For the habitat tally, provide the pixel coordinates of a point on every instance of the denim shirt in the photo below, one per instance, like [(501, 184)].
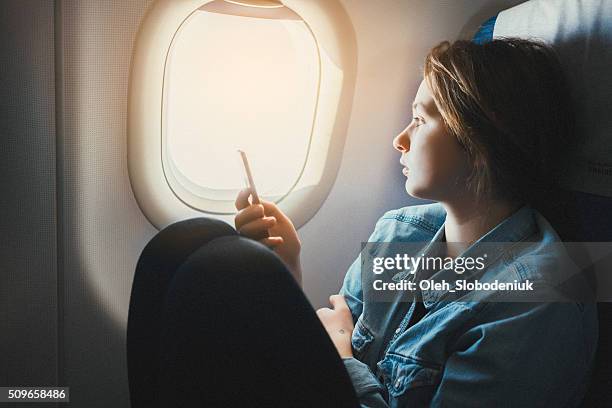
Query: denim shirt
[(471, 354)]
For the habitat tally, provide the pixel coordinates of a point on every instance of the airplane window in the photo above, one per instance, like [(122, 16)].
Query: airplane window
[(238, 82), (273, 78)]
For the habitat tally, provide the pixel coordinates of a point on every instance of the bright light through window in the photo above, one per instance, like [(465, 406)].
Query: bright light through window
[(234, 82)]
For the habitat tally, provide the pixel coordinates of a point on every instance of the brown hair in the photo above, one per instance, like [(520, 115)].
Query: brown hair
[(508, 104)]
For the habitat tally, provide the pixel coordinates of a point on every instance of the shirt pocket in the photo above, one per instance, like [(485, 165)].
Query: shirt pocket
[(362, 338), (404, 375)]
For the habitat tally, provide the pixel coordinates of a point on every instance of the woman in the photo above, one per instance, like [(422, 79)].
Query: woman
[(488, 129)]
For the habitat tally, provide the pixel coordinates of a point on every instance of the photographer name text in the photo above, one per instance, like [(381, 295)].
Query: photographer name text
[(456, 285)]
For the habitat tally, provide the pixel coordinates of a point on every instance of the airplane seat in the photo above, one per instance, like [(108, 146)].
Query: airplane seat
[(581, 34)]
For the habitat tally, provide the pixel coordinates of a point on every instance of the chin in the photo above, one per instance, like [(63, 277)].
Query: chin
[(410, 189), (416, 192)]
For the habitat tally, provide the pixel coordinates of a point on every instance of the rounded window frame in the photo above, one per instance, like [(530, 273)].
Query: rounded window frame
[(332, 31)]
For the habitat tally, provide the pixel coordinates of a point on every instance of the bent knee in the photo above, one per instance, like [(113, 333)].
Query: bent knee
[(177, 241), (233, 258), (201, 227)]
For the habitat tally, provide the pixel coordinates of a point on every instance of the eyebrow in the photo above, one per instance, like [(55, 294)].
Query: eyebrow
[(416, 104)]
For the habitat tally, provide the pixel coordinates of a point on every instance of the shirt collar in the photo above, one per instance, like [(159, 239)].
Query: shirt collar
[(516, 227)]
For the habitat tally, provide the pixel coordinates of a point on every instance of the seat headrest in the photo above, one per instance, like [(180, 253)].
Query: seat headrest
[(581, 33)]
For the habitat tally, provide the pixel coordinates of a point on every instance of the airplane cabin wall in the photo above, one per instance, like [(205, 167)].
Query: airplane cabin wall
[(28, 213)]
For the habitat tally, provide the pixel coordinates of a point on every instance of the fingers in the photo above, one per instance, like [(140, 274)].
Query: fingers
[(322, 312), (338, 302), (257, 229), (271, 242), (271, 209), (242, 201), (248, 214)]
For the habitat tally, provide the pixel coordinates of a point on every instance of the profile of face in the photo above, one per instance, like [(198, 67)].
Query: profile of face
[(435, 164)]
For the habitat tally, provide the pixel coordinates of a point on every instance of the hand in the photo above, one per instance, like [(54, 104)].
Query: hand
[(338, 323), (267, 224)]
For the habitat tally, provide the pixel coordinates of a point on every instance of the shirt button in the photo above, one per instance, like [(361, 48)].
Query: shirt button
[(398, 382), (399, 329)]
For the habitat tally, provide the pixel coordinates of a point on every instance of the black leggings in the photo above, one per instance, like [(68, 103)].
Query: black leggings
[(217, 320)]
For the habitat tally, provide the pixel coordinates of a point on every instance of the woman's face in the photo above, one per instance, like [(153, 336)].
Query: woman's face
[(435, 164)]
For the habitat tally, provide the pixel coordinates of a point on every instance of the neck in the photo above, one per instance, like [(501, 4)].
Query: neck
[(467, 221)]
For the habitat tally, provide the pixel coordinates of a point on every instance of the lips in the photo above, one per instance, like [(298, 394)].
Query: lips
[(405, 165)]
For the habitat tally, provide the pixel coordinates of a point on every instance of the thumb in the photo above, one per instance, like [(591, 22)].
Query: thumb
[(338, 301), (242, 200)]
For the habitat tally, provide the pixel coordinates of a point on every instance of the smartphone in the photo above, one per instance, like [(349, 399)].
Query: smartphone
[(249, 176)]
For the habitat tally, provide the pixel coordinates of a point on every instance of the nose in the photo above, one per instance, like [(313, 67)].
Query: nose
[(401, 142)]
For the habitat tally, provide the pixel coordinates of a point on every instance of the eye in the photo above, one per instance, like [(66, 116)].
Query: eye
[(418, 120)]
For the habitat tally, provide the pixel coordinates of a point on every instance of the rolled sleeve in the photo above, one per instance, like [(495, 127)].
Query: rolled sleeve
[(368, 389)]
